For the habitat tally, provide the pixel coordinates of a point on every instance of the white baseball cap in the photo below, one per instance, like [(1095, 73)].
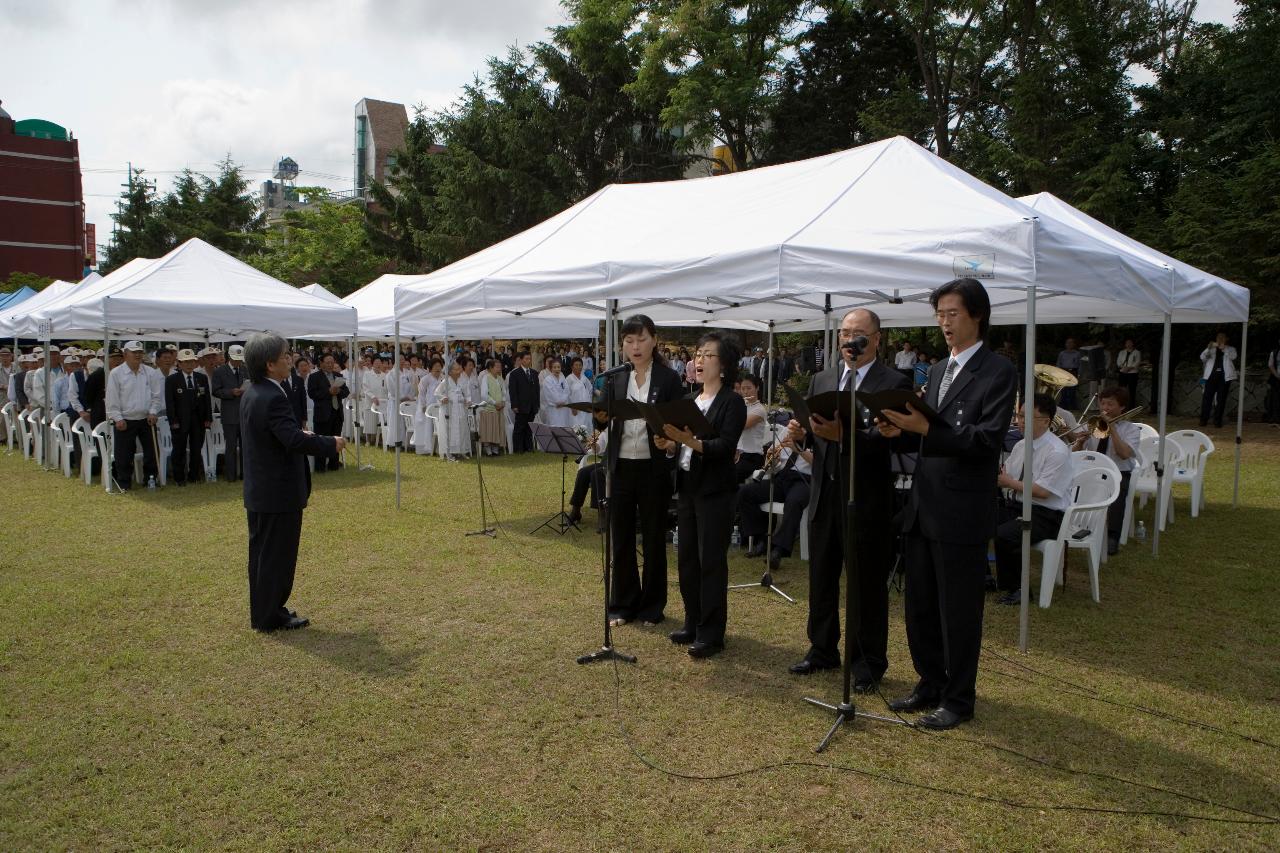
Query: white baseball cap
[(70, 352), (235, 351), (186, 355), (133, 346)]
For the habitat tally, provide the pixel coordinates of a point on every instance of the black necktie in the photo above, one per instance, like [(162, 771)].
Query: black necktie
[(191, 385)]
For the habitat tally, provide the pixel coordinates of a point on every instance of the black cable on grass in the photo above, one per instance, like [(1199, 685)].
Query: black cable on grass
[(1090, 693), (885, 777)]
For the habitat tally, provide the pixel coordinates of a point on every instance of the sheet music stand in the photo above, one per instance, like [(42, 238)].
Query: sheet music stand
[(552, 439)]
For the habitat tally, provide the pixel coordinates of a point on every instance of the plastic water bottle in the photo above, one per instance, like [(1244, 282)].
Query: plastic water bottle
[(1142, 531), (735, 539), (151, 484)]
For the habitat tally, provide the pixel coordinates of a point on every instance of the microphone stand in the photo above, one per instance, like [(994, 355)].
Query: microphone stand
[(485, 529), (607, 651), (846, 711)]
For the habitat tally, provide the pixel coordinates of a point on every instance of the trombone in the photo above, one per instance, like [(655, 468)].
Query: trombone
[(1099, 426)]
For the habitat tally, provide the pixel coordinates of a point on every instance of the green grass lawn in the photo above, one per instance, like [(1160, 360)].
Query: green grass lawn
[(435, 703)]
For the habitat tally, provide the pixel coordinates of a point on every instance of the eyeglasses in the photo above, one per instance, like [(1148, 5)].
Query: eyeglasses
[(706, 354), (946, 315)]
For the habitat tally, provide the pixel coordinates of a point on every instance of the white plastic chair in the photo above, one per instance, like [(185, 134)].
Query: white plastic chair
[(1196, 447), (64, 442), (383, 430), (215, 445), (35, 429), (9, 413), (406, 418), (24, 434), (102, 438), (348, 420), (1084, 526), (1082, 460), (88, 448), (164, 437), (778, 508), (1146, 431), (1143, 481), (433, 418)]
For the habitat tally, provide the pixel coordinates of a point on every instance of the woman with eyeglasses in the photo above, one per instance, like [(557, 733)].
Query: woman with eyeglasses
[(706, 485)]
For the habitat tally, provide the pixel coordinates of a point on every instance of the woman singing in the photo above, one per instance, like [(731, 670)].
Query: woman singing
[(706, 482), (641, 481)]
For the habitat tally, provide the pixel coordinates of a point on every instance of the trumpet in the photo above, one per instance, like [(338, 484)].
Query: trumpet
[(770, 465), (1099, 426)]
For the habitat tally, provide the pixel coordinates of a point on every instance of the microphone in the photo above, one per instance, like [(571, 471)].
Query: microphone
[(855, 346), (627, 367)]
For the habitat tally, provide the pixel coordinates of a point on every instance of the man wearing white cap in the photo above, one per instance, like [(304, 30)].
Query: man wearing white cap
[(166, 358), (135, 396), (186, 397), (228, 385), (6, 369), (18, 382), (65, 389), (37, 389)]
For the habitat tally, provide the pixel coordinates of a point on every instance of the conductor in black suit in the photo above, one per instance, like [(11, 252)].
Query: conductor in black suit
[(526, 394), (641, 480), (707, 482), (873, 510), (324, 387), (190, 412), (277, 481), (951, 513)]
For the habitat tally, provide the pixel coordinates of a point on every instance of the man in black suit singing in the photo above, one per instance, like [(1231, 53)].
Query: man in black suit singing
[(857, 370), (951, 514), (277, 481), (525, 391), (327, 389)]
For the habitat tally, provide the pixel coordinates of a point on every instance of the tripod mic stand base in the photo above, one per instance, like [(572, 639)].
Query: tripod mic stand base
[(488, 531), (766, 581), (607, 653), (846, 712)]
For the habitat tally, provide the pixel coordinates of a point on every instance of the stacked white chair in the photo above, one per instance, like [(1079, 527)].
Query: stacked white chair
[(102, 438), (1084, 526), (9, 414), (406, 419), (215, 445), (383, 429), (433, 418), (1196, 448), (35, 428)]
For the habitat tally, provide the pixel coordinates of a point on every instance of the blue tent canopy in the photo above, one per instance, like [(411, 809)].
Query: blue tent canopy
[(9, 299)]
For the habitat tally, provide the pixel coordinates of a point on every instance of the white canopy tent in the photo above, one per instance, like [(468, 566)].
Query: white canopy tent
[(320, 291), (792, 245), (196, 292), (12, 323)]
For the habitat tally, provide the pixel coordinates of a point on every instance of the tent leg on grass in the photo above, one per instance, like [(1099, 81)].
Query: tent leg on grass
[(1244, 361), (1028, 398), (1161, 509)]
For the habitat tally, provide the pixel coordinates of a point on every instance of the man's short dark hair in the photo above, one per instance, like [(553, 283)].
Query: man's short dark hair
[(1115, 392), (1045, 405), (301, 359), (973, 295), (260, 350)]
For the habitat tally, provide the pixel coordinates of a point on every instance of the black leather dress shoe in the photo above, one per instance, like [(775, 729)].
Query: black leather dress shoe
[(705, 650), (575, 514), (682, 636), (809, 667), (914, 701), (942, 719), (294, 622), (865, 685)]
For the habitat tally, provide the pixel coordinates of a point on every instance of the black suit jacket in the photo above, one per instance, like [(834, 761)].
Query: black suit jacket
[(712, 470), (664, 386), (953, 496), (224, 383), (94, 396), (873, 469), (184, 408), (19, 392), (298, 397), (274, 451), (525, 391), (318, 390)]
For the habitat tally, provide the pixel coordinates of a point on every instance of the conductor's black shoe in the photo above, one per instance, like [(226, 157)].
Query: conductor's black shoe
[(705, 650), (1113, 547), (294, 622), (865, 685), (756, 550), (913, 701), (1013, 598), (942, 719), (574, 514), (809, 667), (682, 636), (775, 560)]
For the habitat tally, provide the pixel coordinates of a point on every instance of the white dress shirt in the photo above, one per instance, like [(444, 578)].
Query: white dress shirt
[(1051, 469), (133, 396), (635, 432), (686, 452)]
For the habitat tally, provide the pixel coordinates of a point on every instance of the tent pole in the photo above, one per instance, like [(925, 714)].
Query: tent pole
[(353, 365), (393, 417), (768, 382), (1161, 509), (1028, 402), (1244, 356), (826, 331), (104, 464), (610, 333)]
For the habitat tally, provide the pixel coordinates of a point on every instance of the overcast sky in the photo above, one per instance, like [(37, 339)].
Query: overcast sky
[(169, 84)]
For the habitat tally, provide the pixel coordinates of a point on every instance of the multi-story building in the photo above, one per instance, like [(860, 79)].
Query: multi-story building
[(380, 129), (42, 228)]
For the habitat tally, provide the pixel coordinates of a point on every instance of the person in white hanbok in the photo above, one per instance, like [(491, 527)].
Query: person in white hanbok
[(403, 393), (492, 419), (373, 391), (424, 427), (555, 397), (455, 430), (579, 392)]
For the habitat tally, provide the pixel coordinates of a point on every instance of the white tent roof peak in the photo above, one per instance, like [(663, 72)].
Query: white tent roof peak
[(319, 290)]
